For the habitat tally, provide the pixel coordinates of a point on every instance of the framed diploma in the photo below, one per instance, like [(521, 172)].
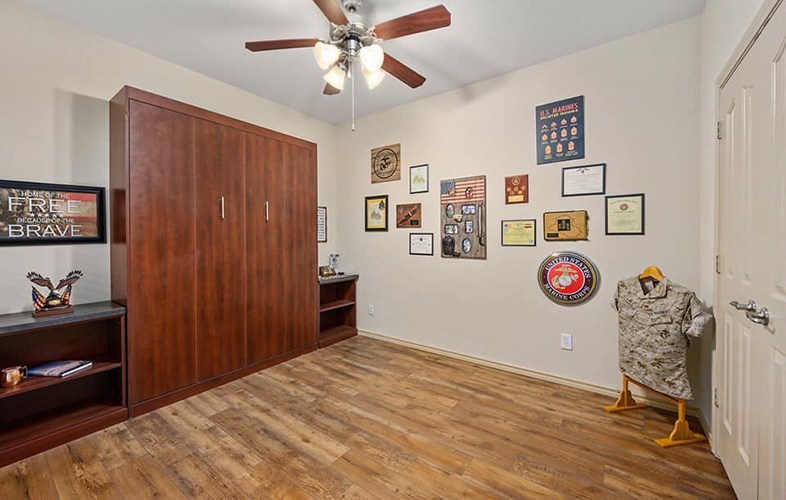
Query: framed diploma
[(321, 224), (421, 243), (376, 213), (625, 214), (586, 180), (519, 233)]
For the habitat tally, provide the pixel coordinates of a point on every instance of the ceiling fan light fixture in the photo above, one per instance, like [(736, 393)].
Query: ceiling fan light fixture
[(373, 78), (372, 57), (335, 77), (326, 54)]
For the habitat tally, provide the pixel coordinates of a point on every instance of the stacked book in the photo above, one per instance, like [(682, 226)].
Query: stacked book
[(60, 368)]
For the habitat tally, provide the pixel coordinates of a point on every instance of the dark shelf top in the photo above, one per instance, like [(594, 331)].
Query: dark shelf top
[(11, 324), (338, 279)]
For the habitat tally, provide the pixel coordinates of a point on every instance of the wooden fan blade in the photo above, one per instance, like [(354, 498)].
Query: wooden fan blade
[(330, 90), (402, 72), (425, 20), (332, 11), (281, 44)]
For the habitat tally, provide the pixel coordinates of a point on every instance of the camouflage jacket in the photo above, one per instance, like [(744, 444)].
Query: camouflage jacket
[(655, 327)]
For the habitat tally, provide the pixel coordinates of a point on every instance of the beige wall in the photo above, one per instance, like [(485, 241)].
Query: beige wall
[(54, 90), (642, 105)]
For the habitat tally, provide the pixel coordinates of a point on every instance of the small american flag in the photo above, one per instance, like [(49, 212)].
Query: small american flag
[(67, 296), (38, 300), (468, 189)]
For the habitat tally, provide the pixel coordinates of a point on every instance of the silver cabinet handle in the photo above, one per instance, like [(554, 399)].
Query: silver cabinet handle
[(222, 208), (267, 211), (750, 306), (761, 316)]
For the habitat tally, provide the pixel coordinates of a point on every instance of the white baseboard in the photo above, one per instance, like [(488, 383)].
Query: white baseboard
[(577, 384)]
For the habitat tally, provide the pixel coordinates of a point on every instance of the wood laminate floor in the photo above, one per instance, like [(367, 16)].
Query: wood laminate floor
[(369, 419)]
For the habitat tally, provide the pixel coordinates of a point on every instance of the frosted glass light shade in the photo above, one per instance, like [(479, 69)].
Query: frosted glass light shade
[(372, 57), (335, 77), (373, 78), (326, 54)]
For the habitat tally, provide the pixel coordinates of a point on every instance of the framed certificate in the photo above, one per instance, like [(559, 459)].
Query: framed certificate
[(519, 233), (376, 213), (586, 180), (625, 214), (418, 179), (321, 224), (421, 243)]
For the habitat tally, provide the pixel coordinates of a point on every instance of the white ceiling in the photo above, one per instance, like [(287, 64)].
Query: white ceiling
[(487, 38)]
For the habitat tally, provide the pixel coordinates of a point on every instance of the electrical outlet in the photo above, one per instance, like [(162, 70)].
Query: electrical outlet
[(371, 309), (566, 341)]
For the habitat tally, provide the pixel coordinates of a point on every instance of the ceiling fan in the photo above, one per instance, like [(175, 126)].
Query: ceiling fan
[(350, 41)]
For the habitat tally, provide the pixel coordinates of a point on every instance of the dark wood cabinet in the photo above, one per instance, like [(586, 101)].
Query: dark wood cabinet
[(213, 245), (221, 250), (337, 309), (161, 251)]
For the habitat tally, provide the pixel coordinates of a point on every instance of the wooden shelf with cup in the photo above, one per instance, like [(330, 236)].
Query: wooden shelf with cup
[(43, 412)]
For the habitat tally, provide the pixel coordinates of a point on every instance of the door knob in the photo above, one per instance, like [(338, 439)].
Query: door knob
[(761, 316), (750, 306)]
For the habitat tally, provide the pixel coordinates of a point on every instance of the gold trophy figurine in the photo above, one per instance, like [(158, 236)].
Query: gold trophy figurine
[(54, 303)]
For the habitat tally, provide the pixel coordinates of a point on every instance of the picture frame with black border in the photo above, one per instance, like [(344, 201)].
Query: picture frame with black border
[(619, 222), (534, 242), (322, 229), (414, 236), (600, 191), (383, 226), (99, 218), (413, 170)]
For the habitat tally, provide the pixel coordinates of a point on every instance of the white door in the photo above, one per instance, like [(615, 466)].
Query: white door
[(752, 246)]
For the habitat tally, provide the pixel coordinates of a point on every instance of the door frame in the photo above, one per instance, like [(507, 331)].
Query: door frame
[(750, 37)]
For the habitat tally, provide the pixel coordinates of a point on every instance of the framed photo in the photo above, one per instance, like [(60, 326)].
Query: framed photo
[(517, 189), (625, 214), (519, 233), (565, 226), (585, 180), (376, 209), (418, 179), (32, 213), (408, 215), (421, 243), (321, 224), (386, 163)]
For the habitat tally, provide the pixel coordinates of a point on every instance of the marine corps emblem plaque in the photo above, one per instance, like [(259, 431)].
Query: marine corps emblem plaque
[(568, 278)]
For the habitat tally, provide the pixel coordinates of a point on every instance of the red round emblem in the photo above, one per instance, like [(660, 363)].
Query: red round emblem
[(568, 278), (624, 206)]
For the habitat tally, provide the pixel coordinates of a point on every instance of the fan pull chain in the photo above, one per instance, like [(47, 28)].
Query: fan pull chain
[(351, 75)]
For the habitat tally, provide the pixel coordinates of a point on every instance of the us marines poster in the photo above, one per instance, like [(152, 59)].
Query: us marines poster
[(560, 130)]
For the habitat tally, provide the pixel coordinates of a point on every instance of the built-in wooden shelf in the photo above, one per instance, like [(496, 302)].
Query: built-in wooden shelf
[(337, 309), (336, 304), (32, 383), (43, 412)]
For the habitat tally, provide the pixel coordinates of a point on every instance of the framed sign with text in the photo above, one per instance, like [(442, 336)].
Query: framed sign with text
[(32, 213)]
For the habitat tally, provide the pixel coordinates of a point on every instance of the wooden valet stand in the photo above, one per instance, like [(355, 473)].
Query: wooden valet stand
[(679, 436)]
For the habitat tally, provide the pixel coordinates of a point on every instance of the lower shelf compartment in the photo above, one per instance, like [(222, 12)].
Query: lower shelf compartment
[(336, 334), (24, 438)]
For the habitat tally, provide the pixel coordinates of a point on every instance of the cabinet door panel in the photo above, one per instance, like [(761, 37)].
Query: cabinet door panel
[(265, 236), (220, 214), (300, 188), (161, 255)]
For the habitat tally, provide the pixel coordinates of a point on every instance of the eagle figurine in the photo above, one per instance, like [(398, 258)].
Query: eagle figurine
[(55, 302)]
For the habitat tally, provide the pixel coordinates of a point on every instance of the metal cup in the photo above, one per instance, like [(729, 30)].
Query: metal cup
[(9, 377)]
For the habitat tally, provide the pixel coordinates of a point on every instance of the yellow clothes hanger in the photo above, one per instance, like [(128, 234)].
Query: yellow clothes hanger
[(652, 272)]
